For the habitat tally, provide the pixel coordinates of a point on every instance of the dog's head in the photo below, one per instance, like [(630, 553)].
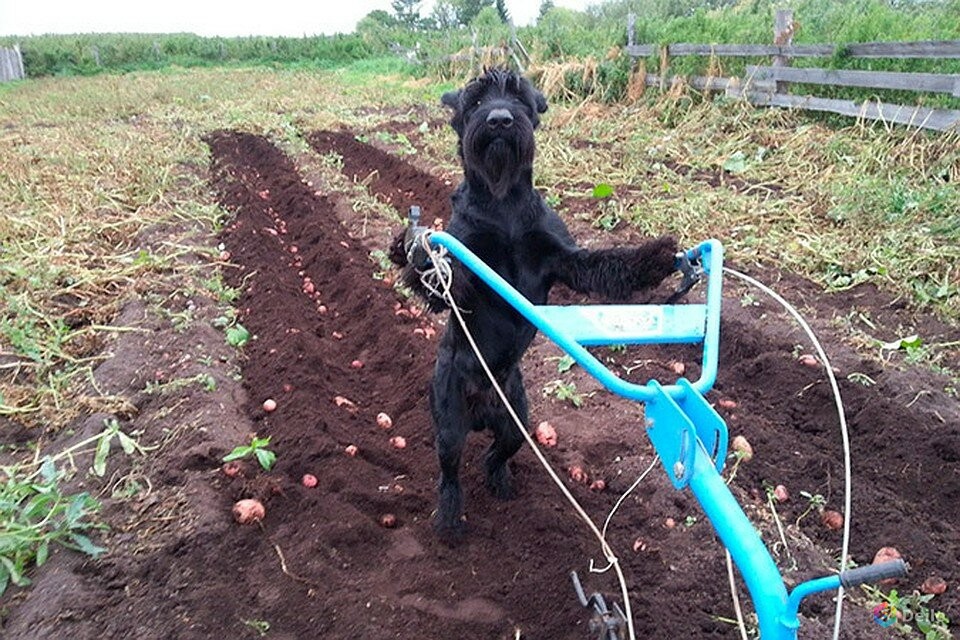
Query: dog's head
[(494, 116)]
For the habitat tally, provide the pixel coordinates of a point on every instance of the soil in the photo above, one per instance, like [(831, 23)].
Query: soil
[(335, 344)]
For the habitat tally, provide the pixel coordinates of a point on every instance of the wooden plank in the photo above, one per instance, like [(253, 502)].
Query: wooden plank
[(703, 83), (744, 50), (924, 117), (642, 50), (919, 49), (932, 82)]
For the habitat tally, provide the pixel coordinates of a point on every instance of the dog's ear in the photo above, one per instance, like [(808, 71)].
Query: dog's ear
[(539, 101), (451, 99)]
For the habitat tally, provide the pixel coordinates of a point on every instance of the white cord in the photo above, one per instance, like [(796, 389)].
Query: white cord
[(736, 598), (843, 431), (606, 523), (444, 275)]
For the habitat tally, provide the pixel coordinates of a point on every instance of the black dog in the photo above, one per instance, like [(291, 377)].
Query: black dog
[(499, 216)]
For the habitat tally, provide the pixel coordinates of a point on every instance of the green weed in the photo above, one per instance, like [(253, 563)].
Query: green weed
[(257, 449), (564, 392), (913, 612), (36, 514)]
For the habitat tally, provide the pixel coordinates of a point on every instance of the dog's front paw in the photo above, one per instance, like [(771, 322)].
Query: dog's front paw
[(396, 252), (655, 260)]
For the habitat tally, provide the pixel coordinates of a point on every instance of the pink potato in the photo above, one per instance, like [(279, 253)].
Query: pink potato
[(577, 474), (248, 511), (388, 521), (546, 434), (832, 520)]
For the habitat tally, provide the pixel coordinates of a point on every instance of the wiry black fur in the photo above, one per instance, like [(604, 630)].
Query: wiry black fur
[(499, 216)]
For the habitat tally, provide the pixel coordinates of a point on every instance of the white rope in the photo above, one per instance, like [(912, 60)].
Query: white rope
[(444, 274), (606, 523), (736, 597), (844, 432)]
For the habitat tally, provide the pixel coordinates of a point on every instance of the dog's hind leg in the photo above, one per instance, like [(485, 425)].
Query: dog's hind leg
[(451, 425), (507, 438), (450, 441)]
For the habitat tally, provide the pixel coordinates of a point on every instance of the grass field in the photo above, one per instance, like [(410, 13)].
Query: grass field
[(90, 164)]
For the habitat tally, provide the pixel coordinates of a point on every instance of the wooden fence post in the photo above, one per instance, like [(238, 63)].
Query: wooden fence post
[(22, 72), (783, 28)]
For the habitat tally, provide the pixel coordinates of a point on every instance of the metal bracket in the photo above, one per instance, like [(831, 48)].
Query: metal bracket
[(677, 427), (604, 624)]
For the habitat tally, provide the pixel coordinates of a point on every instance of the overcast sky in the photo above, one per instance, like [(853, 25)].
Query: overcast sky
[(211, 17)]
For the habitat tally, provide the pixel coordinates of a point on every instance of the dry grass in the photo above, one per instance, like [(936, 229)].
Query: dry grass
[(101, 176)]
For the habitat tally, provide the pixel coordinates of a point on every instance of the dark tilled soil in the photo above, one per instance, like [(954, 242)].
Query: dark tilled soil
[(335, 346)]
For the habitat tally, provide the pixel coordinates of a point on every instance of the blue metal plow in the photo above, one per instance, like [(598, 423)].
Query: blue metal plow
[(686, 431)]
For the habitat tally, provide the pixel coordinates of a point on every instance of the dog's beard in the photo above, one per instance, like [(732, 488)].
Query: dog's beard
[(499, 160)]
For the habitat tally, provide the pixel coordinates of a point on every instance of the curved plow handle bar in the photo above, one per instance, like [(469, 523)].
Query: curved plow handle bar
[(689, 435)]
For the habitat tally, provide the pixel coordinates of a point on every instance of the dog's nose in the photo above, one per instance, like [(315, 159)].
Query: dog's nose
[(499, 118)]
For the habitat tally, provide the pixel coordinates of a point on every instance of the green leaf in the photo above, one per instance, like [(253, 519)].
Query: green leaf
[(239, 452), (38, 506), (15, 572), (42, 552), (48, 470), (75, 510), (100, 457), (736, 163), (266, 458), (84, 544), (910, 342), (603, 190), (565, 364), (127, 443), (4, 579), (237, 335), (257, 443)]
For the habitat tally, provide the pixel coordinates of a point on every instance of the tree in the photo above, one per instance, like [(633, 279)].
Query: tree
[(407, 12), (467, 10), (545, 6), (377, 29), (450, 14), (503, 11), (444, 15)]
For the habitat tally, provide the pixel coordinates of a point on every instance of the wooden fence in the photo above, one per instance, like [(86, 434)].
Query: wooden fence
[(11, 64), (769, 85)]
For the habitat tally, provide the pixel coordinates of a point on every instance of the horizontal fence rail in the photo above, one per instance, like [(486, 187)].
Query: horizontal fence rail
[(768, 85), (929, 82), (923, 117), (925, 49)]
